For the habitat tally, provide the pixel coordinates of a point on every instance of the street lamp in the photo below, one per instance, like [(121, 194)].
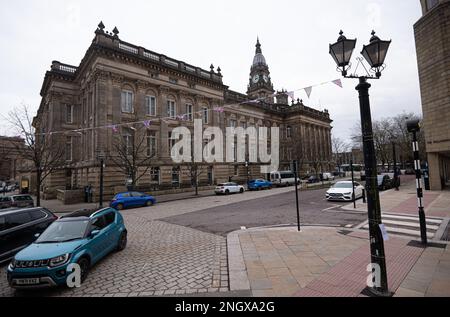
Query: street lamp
[(374, 53), (101, 156)]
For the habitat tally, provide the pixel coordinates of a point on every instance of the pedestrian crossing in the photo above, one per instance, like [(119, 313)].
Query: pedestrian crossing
[(406, 225)]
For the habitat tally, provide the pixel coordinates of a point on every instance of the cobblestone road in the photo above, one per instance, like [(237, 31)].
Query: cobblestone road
[(160, 259)]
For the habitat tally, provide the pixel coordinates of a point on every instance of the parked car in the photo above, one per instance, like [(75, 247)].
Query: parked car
[(5, 202), (384, 182), (313, 179), (286, 178), (18, 228), (343, 191), (83, 238), (22, 201), (229, 188), (132, 200), (257, 184), (328, 177)]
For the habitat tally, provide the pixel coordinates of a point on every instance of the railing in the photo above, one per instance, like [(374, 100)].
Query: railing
[(171, 62), (128, 48), (57, 66), (205, 74), (151, 56), (190, 69)]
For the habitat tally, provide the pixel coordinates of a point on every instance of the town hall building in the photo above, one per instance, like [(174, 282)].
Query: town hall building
[(88, 108)]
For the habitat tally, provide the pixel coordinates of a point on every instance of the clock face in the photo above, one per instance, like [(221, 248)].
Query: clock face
[(255, 78), (266, 78)]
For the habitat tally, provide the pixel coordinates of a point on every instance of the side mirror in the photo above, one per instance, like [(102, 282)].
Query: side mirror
[(94, 233)]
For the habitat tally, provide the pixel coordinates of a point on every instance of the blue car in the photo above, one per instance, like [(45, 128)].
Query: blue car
[(257, 184), (132, 200), (83, 238)]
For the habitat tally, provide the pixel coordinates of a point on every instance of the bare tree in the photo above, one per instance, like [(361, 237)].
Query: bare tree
[(339, 146), (194, 171), (43, 149), (132, 153)]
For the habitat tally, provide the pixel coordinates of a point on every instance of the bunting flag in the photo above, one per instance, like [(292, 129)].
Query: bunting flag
[(308, 91), (147, 123), (219, 109), (291, 94), (115, 129), (337, 82)]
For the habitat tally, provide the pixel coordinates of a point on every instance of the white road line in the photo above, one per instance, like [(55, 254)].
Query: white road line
[(330, 208), (409, 224), (404, 231), (437, 221)]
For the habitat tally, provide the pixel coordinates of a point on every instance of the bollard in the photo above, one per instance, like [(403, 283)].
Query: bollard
[(364, 195)]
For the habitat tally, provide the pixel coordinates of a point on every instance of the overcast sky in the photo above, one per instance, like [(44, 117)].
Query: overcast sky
[(294, 35)]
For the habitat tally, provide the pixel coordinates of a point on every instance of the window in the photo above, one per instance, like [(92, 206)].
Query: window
[(109, 218), (127, 101), (151, 143), (431, 4), (154, 175), (2, 223), (288, 131), (19, 219), (69, 148), (232, 123), (244, 125), (150, 106), (175, 176), (98, 223), (171, 109), (128, 142), (37, 214), (171, 142), (205, 115), (69, 113), (236, 170), (189, 111)]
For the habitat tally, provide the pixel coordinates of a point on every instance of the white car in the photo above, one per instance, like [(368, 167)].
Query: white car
[(229, 188), (342, 191), (328, 177)]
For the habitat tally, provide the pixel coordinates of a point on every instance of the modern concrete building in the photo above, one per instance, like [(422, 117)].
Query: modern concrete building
[(432, 34), (117, 84)]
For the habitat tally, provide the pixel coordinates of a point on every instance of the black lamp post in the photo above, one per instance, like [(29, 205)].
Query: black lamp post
[(374, 53), (101, 158)]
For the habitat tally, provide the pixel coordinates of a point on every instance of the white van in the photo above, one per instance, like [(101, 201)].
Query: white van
[(286, 178)]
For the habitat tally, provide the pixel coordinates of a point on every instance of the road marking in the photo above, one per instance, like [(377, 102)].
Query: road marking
[(348, 226), (436, 221), (409, 224), (243, 228), (404, 231), (329, 208)]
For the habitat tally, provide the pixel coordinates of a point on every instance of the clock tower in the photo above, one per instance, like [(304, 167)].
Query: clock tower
[(260, 85)]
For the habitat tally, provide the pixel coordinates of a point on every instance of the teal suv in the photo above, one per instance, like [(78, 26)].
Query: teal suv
[(83, 238)]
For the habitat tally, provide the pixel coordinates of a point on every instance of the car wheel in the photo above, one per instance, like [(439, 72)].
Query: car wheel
[(149, 203), (122, 241), (241, 190), (270, 187), (227, 192), (84, 268), (287, 184), (119, 207)]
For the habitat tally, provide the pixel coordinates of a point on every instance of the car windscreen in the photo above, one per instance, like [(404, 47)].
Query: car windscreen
[(343, 185), (22, 198), (63, 231)]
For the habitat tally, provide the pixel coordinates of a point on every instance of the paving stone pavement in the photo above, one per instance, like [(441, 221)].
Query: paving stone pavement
[(160, 259)]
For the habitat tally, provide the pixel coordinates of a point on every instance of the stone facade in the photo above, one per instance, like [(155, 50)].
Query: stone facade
[(10, 159), (118, 83), (433, 54)]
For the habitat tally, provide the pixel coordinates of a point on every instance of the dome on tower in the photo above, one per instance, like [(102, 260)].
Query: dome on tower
[(259, 58)]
